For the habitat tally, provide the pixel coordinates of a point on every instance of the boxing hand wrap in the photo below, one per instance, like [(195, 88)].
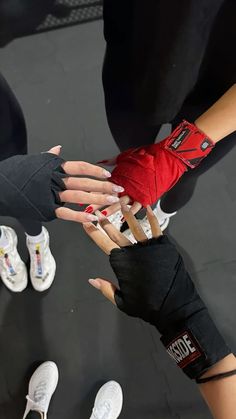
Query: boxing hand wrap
[(155, 286), (189, 144), (146, 173), (29, 186)]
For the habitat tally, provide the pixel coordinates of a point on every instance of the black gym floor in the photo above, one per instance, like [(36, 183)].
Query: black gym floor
[(57, 78)]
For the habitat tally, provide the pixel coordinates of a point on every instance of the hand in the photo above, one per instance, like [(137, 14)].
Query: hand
[(36, 187), (155, 286), (116, 240), (146, 173), (84, 190)]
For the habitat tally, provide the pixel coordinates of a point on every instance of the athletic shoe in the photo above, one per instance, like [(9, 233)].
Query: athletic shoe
[(42, 385), (12, 269), (42, 263), (109, 401), (114, 219)]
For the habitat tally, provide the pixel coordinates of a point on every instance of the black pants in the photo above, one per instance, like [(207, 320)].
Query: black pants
[(13, 138), (33, 415), (129, 131)]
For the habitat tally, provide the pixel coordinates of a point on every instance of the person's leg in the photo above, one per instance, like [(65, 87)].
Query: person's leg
[(34, 415), (127, 127), (13, 138)]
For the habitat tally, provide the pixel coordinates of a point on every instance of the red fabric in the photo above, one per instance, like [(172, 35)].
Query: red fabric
[(148, 172)]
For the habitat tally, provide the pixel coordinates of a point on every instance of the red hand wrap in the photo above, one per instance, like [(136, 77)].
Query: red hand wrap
[(189, 144), (148, 172)]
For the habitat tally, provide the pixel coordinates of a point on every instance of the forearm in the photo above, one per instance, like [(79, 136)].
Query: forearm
[(220, 395), (220, 120)]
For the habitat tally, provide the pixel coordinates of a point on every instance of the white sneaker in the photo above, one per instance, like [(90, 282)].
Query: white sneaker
[(42, 385), (114, 219), (42, 263), (108, 402), (12, 269), (144, 223)]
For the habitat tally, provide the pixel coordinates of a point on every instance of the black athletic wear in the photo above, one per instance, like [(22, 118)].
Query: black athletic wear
[(166, 61), (30, 186), (155, 286)]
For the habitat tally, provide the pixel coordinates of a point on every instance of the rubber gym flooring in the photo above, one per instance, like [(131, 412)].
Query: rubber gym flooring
[(57, 78)]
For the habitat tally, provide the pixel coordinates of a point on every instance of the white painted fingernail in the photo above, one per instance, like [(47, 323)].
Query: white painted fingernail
[(91, 217), (106, 173), (112, 199), (95, 283), (117, 188)]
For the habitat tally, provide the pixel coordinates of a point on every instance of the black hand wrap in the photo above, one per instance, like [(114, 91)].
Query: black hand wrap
[(29, 186), (155, 286)]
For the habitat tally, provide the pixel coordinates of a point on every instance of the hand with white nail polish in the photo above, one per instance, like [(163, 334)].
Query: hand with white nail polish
[(42, 186)]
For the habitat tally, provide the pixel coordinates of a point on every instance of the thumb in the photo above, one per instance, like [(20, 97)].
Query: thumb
[(106, 287), (55, 150)]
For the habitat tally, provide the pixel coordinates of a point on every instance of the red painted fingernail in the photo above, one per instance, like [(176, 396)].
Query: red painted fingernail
[(89, 209), (81, 205), (104, 212)]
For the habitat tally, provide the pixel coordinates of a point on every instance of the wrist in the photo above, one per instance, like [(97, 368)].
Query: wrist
[(224, 365)]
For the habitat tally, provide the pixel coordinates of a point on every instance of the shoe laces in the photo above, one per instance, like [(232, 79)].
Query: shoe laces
[(39, 397), (102, 411), (8, 260)]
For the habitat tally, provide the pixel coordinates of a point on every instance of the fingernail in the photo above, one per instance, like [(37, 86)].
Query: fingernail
[(91, 217), (81, 205), (95, 283), (117, 188), (89, 209), (112, 199), (104, 212), (106, 173)]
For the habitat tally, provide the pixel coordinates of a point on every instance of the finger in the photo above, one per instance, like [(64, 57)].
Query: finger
[(91, 185), (154, 224), (135, 207), (77, 216), (77, 168), (104, 242), (106, 287), (55, 150), (115, 235), (112, 209), (133, 223), (75, 197)]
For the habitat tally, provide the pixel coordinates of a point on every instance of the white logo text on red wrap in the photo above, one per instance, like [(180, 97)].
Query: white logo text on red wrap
[(184, 350)]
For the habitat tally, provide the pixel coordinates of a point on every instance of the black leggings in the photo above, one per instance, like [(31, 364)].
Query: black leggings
[(33, 415), (128, 131), (13, 138)]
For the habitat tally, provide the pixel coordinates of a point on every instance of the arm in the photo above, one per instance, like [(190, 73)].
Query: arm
[(221, 395), (149, 172), (38, 186), (220, 119), (154, 286)]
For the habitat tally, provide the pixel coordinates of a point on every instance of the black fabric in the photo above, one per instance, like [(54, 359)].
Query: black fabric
[(155, 286), (33, 415), (13, 137), (29, 186), (161, 56)]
